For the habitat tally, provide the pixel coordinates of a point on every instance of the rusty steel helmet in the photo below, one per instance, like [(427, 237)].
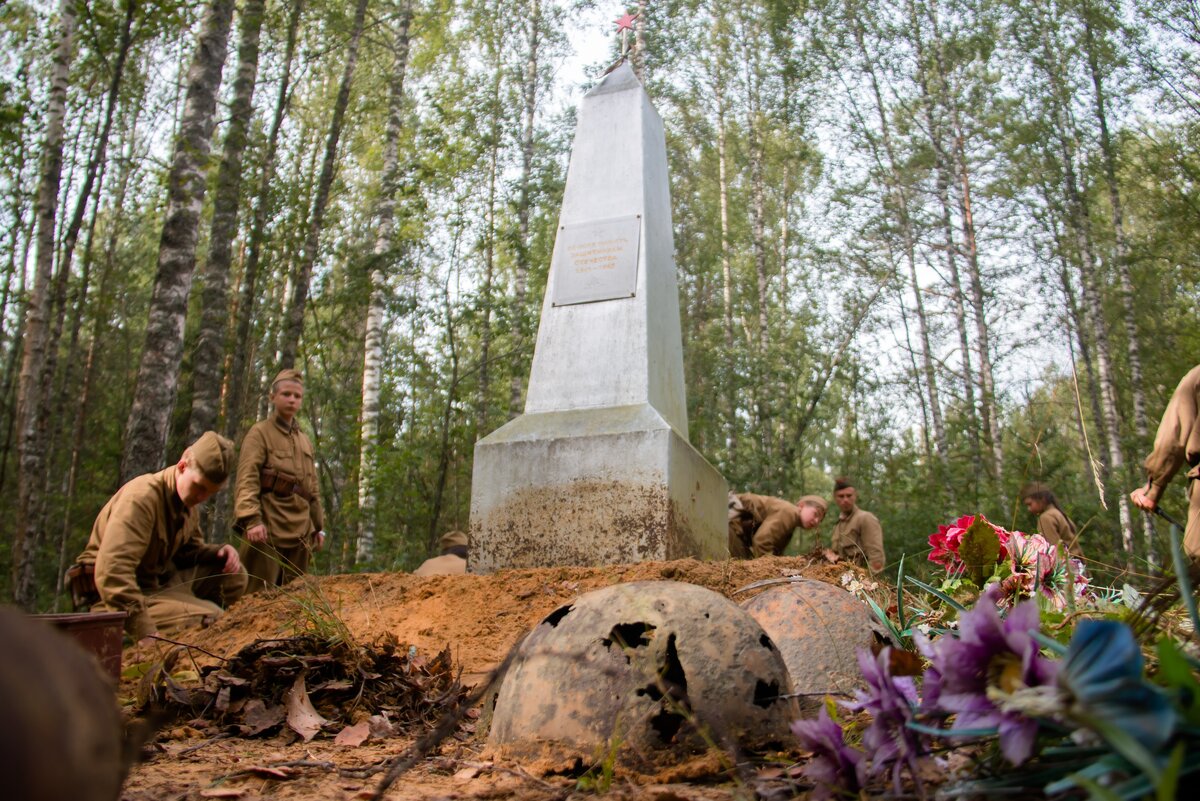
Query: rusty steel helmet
[(650, 670), (819, 629)]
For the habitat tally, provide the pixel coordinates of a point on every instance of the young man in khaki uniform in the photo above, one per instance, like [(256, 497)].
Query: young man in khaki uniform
[(453, 560), (760, 525), (857, 535), (148, 555), (1053, 523), (277, 502), (1176, 444)]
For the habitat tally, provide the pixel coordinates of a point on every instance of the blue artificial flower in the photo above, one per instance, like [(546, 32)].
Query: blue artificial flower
[(1102, 675)]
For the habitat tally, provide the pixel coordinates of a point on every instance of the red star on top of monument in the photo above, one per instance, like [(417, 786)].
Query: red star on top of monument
[(625, 23)]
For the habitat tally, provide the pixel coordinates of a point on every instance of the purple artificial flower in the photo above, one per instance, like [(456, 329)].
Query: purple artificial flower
[(990, 652), (834, 765), (892, 703)]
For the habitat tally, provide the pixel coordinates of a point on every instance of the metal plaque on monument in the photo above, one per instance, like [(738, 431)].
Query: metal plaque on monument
[(599, 470)]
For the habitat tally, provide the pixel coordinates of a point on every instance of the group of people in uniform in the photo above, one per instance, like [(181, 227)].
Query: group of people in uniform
[(760, 525), (763, 526), (147, 556)]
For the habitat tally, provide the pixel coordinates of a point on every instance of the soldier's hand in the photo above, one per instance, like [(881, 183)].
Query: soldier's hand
[(257, 533), (1141, 500), (233, 562), (318, 539)]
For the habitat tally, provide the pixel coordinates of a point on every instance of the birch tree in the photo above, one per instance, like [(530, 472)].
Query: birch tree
[(30, 416), (158, 370), (382, 257)]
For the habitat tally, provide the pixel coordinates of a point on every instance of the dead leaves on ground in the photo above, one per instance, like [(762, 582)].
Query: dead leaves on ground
[(313, 686)]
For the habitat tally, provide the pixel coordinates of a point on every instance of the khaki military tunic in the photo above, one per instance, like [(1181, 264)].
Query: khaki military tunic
[(151, 560), (1054, 526), (762, 527), (858, 537), (445, 565), (291, 521), (1177, 444)]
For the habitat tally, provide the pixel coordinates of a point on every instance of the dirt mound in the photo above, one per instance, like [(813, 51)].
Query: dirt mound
[(478, 617)]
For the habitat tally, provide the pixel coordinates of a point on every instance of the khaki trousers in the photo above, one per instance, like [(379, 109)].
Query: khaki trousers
[(194, 597), (273, 563)]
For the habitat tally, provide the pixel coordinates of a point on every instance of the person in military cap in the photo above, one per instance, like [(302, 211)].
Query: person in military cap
[(857, 535), (760, 525), (277, 503), (146, 555), (1176, 446), (453, 560), (1052, 522)]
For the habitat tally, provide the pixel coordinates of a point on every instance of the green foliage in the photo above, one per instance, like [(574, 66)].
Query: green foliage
[(980, 550)]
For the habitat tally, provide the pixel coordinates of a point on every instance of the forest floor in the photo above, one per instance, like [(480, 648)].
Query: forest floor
[(479, 619)]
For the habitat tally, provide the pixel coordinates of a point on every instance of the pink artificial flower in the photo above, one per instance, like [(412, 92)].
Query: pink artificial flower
[(946, 541)]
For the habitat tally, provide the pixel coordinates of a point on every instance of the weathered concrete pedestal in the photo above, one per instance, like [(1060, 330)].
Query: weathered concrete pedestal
[(599, 469)]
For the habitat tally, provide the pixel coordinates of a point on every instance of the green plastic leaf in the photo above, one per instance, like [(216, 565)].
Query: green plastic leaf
[(936, 593), (900, 616), (1175, 673), (979, 549)]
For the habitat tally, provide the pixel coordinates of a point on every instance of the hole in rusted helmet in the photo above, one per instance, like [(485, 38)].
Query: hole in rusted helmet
[(555, 617), (629, 635), (765, 694), (671, 689), (766, 643)]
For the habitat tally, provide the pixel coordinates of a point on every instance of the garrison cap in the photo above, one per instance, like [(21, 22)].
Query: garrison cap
[(288, 375), (814, 500), (213, 456), (452, 538), (1033, 488)]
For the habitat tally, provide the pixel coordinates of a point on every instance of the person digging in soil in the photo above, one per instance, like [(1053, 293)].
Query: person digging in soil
[(760, 525), (147, 556)]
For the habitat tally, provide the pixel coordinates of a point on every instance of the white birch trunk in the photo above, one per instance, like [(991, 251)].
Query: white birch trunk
[(31, 417), (373, 339), (158, 371)]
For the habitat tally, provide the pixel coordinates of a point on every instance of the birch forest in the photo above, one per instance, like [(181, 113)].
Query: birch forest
[(944, 247)]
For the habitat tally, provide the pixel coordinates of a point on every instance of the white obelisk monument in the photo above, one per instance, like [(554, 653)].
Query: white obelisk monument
[(599, 470)]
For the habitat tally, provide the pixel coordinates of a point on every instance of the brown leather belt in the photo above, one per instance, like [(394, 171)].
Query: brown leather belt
[(282, 484)]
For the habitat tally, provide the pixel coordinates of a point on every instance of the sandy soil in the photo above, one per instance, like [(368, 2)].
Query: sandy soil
[(480, 618)]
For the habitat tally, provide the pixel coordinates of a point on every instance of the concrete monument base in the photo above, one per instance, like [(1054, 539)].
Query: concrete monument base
[(610, 485)]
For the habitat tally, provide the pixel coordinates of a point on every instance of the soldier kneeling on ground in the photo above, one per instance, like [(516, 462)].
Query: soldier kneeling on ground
[(146, 555), (760, 525)]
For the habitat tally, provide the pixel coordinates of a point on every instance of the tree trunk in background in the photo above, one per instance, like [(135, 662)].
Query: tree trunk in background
[(31, 415), (294, 323), (731, 394), (1079, 220), (99, 318), (908, 241), (93, 181), (380, 267), (209, 357), (529, 94), (495, 50), (158, 372), (1121, 261), (987, 384), (242, 347), (942, 180)]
